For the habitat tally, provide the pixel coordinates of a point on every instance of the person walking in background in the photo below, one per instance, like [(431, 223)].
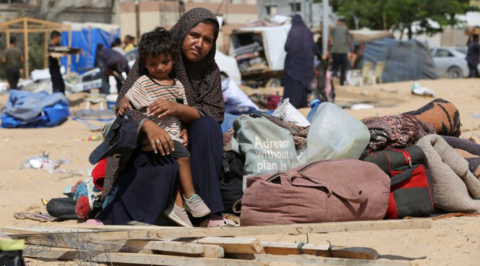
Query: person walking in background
[(299, 63), (129, 40), (473, 57), (339, 36), (12, 58), (112, 63), (58, 85), (117, 46)]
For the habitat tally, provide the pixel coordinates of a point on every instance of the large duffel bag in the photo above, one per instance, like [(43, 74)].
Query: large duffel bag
[(411, 192), (321, 191)]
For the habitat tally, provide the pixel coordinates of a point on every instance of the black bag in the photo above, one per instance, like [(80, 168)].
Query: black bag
[(120, 140), (11, 256), (411, 189), (62, 208), (231, 179)]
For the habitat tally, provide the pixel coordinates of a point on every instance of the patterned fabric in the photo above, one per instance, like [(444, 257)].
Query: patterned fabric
[(201, 80), (146, 91), (395, 132), (442, 115)]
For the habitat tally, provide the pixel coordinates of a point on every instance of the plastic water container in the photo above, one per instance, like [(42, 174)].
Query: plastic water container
[(111, 100), (314, 105)]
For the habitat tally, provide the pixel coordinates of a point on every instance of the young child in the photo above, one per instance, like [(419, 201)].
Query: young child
[(156, 52)]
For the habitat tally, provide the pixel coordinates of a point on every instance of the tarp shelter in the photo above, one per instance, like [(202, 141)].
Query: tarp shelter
[(404, 60), (30, 25), (87, 36), (273, 42)]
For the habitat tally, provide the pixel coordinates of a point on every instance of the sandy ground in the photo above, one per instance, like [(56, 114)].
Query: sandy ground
[(453, 241)]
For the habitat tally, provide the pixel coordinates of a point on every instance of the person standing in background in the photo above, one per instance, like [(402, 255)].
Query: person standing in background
[(58, 84), (129, 40), (12, 58), (339, 36), (117, 46), (299, 64), (472, 58)]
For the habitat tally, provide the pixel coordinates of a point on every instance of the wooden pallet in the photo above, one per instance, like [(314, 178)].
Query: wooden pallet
[(154, 245)]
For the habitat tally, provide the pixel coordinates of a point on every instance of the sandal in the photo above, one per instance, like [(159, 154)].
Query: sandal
[(217, 221)]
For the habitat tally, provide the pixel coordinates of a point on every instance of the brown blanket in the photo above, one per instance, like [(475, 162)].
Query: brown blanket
[(442, 115), (469, 150), (456, 188)]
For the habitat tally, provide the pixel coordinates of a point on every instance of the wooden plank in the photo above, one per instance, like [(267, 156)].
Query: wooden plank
[(279, 248), (210, 251), (25, 36), (176, 232), (40, 230), (234, 245), (136, 259), (309, 260)]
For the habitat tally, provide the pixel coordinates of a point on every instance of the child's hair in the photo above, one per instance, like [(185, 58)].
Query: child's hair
[(156, 42)]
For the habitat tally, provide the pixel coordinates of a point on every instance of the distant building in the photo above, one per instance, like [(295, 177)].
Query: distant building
[(311, 12), (166, 13), (99, 11)]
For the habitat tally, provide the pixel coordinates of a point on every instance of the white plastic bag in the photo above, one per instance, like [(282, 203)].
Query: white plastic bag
[(288, 113), (334, 134)]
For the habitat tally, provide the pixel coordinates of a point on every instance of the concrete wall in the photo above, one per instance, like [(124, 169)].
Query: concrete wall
[(166, 13)]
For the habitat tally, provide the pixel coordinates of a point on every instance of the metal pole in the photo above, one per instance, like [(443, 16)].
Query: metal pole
[(137, 18), (325, 26), (303, 7)]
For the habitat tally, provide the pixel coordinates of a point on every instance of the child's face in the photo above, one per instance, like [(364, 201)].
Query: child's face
[(160, 66)]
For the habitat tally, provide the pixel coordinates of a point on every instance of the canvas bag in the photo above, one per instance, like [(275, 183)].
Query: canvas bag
[(412, 184), (321, 191), (267, 147)]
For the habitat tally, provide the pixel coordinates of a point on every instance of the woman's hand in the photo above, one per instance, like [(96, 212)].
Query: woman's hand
[(123, 105), (163, 108), (158, 137), (184, 137)]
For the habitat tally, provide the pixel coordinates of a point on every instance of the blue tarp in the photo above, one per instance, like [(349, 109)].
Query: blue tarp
[(404, 60), (80, 40), (31, 110)]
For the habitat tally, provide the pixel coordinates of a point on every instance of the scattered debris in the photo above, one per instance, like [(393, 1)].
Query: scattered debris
[(43, 162)]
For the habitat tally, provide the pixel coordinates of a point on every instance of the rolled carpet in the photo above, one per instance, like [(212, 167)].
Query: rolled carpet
[(456, 188)]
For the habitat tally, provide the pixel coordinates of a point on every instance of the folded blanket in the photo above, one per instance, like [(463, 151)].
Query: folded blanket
[(469, 150), (456, 188), (442, 115), (394, 132)]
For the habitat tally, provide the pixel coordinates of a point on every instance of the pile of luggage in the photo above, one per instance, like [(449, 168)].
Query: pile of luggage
[(279, 170)]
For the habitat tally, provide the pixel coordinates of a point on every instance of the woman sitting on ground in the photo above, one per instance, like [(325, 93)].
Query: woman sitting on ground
[(149, 183)]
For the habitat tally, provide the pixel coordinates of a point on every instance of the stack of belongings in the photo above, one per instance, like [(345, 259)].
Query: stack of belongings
[(249, 58), (341, 169)]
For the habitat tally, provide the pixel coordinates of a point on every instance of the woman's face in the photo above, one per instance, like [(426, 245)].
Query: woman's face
[(198, 42)]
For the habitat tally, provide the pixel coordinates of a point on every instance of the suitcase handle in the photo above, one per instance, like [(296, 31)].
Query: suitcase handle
[(359, 198)]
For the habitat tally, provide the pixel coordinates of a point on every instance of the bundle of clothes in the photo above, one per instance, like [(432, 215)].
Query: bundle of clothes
[(389, 167)]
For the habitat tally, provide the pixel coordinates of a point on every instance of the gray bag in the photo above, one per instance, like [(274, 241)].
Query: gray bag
[(268, 148)]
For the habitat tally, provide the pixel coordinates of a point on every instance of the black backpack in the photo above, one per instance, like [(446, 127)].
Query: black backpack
[(231, 179)]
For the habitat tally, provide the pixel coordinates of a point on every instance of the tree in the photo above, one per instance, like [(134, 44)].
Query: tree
[(401, 14)]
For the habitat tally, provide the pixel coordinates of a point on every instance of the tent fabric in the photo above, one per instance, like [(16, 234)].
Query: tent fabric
[(31, 110), (404, 60), (274, 39), (99, 34), (370, 35)]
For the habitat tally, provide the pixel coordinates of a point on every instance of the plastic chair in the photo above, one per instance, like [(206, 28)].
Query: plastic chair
[(367, 67), (377, 75)]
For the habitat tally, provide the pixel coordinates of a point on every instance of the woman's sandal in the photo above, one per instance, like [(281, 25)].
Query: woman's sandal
[(217, 221)]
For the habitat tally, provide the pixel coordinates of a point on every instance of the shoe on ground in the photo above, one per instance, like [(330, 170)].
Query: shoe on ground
[(195, 206), (178, 215)]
